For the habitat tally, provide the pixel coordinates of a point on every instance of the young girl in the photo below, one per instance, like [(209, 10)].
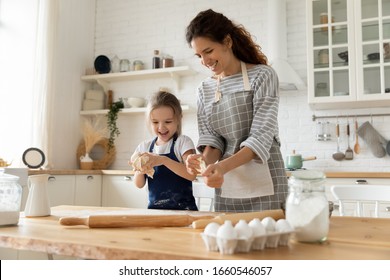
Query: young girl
[(169, 183)]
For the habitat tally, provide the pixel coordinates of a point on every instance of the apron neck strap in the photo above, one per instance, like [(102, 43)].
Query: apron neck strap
[(245, 78)]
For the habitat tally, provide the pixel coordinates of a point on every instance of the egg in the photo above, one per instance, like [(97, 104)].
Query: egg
[(227, 238), (259, 234), (269, 224), (244, 231), (257, 227), (211, 229), (245, 236), (227, 231), (284, 228), (209, 236), (282, 225)]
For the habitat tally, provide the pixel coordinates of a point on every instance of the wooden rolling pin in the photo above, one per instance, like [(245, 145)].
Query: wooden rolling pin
[(117, 221), (235, 218)]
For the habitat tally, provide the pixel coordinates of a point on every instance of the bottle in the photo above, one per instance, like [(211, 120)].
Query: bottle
[(156, 59), (115, 64), (167, 61), (138, 65), (307, 208), (124, 65)]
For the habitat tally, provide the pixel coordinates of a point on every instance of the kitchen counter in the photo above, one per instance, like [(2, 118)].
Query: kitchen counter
[(349, 238), (130, 172)]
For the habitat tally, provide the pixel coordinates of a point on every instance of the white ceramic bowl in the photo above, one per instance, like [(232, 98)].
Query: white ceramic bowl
[(135, 102)]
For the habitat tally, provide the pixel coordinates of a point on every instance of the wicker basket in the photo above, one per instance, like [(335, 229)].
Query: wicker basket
[(104, 162)]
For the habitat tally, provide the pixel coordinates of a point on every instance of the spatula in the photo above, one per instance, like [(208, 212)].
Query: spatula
[(349, 151)]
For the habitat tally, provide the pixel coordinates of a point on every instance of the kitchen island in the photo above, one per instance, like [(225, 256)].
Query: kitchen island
[(349, 238)]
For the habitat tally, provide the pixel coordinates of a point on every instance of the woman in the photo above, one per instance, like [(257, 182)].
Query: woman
[(237, 118)]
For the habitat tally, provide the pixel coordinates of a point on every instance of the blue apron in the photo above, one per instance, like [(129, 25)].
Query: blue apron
[(168, 190)]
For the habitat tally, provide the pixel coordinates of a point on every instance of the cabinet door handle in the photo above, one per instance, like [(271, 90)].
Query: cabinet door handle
[(128, 178), (51, 178), (89, 177)]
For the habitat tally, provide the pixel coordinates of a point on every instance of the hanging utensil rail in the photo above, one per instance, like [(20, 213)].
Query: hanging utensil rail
[(314, 117)]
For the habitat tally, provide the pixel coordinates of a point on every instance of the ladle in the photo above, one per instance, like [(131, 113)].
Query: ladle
[(356, 148), (338, 155)]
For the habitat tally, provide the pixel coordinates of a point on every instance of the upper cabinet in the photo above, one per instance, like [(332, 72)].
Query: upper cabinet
[(348, 53)]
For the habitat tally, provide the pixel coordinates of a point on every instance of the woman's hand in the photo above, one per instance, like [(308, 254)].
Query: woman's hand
[(193, 163), (213, 176)]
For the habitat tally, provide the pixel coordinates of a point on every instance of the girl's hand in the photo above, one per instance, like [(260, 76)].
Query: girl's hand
[(193, 163), (154, 160), (213, 176)]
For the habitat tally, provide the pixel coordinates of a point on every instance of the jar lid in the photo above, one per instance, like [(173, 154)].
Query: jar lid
[(8, 178), (308, 175)]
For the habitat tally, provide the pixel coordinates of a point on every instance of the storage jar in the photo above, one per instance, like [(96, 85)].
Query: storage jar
[(307, 208), (10, 199)]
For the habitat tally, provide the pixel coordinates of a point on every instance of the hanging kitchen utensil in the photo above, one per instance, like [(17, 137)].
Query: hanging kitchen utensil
[(338, 155), (388, 148), (348, 152), (356, 148)]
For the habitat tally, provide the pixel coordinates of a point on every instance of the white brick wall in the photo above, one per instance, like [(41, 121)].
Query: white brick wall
[(133, 29)]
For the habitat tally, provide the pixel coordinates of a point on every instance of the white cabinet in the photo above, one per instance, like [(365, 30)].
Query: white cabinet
[(82, 190), (120, 191), (349, 208), (347, 63), (61, 189), (88, 190)]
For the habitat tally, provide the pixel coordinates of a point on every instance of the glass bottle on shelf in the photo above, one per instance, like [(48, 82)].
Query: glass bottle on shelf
[(156, 59)]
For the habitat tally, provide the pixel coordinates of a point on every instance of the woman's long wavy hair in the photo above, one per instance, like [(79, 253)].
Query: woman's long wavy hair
[(216, 27)]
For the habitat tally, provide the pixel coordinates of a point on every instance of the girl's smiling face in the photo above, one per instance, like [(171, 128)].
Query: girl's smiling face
[(164, 123)]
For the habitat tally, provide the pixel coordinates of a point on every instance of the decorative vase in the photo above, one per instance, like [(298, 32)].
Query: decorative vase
[(86, 162)]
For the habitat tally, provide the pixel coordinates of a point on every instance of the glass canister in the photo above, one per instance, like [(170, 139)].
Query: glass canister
[(124, 65), (307, 208), (10, 199), (138, 65)]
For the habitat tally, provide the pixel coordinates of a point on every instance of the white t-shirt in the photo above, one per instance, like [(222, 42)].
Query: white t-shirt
[(182, 145)]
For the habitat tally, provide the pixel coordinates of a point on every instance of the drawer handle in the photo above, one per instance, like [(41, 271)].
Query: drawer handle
[(51, 178), (128, 178), (361, 182), (89, 177)]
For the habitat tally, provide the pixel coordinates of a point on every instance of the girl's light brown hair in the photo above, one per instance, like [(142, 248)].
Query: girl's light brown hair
[(166, 99)]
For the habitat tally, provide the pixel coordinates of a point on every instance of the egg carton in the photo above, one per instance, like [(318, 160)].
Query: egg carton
[(244, 237)]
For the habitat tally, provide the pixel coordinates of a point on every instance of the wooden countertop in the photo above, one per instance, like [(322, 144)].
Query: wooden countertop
[(331, 174), (349, 238)]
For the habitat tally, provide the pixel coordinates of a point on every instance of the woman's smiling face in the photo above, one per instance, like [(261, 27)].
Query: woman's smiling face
[(164, 123), (213, 55)]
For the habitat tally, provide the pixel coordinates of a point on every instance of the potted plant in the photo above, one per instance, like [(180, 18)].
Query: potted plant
[(112, 117)]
